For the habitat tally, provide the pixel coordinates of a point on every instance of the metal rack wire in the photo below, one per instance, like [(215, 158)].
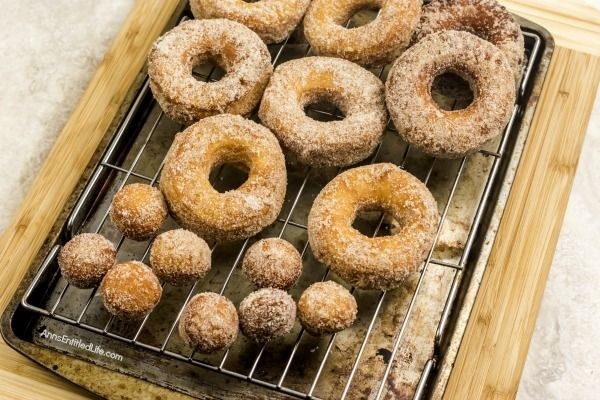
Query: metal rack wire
[(110, 166)]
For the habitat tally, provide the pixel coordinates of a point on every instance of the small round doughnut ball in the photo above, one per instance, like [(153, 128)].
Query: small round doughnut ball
[(209, 323), (180, 257), (267, 314), (272, 263), (130, 290), (138, 211), (326, 307), (85, 259)]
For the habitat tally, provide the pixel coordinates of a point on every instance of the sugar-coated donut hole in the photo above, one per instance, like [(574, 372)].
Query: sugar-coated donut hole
[(452, 91), (323, 106), (226, 176)]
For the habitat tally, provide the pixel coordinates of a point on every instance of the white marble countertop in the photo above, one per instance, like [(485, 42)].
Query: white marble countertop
[(48, 53)]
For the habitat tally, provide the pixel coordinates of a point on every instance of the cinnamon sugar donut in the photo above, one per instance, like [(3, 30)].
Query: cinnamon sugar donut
[(272, 20), (355, 91), (380, 262), (272, 262), (326, 307), (487, 19), (235, 214), (421, 122), (375, 43), (234, 47)]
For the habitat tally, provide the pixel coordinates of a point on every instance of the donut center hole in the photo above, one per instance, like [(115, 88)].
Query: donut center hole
[(228, 176), (363, 16), (451, 92), (324, 108), (208, 69), (368, 221)]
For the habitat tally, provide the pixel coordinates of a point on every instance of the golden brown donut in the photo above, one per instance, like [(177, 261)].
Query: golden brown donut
[(375, 43), (326, 307), (381, 262), (355, 91), (238, 50), (418, 118), (138, 211), (272, 20), (85, 259), (209, 323), (236, 214), (487, 19), (130, 290), (179, 257)]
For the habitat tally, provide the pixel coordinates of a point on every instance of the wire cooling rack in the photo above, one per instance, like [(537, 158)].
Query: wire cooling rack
[(136, 154)]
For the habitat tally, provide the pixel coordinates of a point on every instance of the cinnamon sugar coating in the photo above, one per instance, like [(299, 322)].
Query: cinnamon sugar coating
[(272, 20), (130, 290), (421, 122), (85, 259), (209, 323), (326, 307), (179, 257), (355, 91), (376, 43), (138, 211), (272, 263), (487, 19), (234, 47), (235, 214), (267, 314), (381, 262)]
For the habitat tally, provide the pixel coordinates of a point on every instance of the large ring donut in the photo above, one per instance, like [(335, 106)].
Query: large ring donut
[(375, 43), (487, 19), (421, 122), (355, 91), (272, 20), (235, 214), (381, 262), (236, 49)]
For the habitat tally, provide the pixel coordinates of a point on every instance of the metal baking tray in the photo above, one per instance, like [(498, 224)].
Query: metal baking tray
[(404, 341)]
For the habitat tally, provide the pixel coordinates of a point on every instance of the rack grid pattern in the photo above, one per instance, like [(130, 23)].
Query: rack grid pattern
[(107, 165)]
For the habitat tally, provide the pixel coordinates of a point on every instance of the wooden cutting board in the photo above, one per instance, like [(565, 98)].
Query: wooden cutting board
[(494, 349)]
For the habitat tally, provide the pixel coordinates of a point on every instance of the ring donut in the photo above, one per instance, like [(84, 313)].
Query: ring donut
[(235, 214), (487, 19), (449, 134), (381, 262), (272, 20), (355, 91), (375, 43), (235, 48)]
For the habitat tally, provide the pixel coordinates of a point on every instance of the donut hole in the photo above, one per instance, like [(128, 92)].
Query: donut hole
[(226, 176), (363, 16), (367, 220), (323, 107), (451, 91), (208, 68)]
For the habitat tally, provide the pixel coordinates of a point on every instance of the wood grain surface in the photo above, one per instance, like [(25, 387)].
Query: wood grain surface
[(507, 306), (494, 349)]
